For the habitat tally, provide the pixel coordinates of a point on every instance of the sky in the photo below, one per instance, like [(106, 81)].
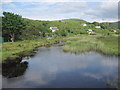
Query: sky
[(89, 10)]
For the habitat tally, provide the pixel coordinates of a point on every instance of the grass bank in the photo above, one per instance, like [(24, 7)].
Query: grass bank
[(76, 44), (15, 49), (81, 44)]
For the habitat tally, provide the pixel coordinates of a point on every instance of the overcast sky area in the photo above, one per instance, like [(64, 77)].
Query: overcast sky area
[(89, 10)]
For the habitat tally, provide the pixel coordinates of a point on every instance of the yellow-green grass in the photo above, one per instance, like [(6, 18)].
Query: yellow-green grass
[(81, 44), (78, 44), (12, 48)]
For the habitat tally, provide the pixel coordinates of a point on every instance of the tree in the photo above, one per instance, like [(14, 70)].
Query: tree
[(12, 25), (104, 26), (96, 23), (43, 31)]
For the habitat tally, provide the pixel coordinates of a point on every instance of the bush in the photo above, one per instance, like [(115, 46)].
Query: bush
[(117, 32), (83, 32)]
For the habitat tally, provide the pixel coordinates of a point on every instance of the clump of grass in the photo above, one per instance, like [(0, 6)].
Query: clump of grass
[(106, 45), (78, 47)]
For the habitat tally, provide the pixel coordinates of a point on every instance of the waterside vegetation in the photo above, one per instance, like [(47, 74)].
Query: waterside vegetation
[(106, 45), (26, 35), (14, 50)]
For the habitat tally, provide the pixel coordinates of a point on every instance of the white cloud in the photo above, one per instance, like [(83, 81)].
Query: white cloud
[(92, 75), (106, 11), (7, 0), (108, 4), (68, 7), (60, 0), (102, 11)]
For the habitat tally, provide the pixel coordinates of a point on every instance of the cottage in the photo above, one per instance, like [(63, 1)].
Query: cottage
[(84, 24), (49, 37), (62, 21), (98, 27), (54, 29), (113, 31), (90, 31)]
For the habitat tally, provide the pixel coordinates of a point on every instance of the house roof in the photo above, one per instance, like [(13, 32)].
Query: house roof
[(54, 28), (83, 24), (89, 30)]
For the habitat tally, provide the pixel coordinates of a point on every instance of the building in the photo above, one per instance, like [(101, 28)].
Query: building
[(54, 29), (90, 31), (49, 37), (98, 27), (62, 21), (84, 24), (113, 31)]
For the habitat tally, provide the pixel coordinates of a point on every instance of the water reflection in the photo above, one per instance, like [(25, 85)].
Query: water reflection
[(53, 68), (10, 70)]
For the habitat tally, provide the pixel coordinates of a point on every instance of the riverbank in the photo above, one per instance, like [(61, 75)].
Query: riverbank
[(76, 44), (105, 45), (13, 50)]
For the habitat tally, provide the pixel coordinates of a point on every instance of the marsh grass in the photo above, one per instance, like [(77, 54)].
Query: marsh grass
[(105, 45)]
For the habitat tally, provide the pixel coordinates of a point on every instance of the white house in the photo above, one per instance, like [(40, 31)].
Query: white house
[(90, 31), (98, 27), (49, 37), (54, 29), (62, 21), (113, 31), (84, 24)]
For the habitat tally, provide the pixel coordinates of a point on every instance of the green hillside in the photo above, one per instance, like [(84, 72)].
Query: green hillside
[(114, 25), (75, 20), (34, 29)]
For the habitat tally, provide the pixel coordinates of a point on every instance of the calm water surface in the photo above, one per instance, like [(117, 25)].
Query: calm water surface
[(53, 68)]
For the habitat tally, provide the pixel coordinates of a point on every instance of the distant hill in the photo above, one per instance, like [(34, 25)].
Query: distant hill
[(75, 20), (114, 24)]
